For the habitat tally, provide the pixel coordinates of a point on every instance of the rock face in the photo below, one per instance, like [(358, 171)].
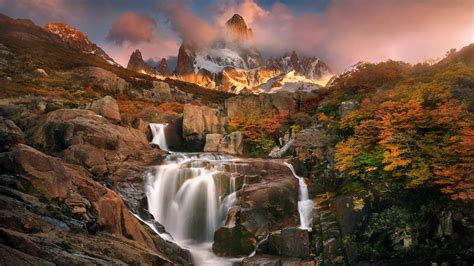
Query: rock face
[(108, 108), (82, 137), (290, 242), (268, 202), (231, 143), (198, 121), (137, 64), (234, 240), (76, 39), (237, 29), (163, 68), (263, 105), (185, 62)]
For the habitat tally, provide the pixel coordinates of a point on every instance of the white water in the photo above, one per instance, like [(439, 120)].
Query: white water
[(183, 195), (305, 204), (159, 138)]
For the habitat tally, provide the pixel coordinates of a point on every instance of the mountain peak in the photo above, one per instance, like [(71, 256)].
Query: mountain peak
[(237, 29), (76, 39), (137, 64)]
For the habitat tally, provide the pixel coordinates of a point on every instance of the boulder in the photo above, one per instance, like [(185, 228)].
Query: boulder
[(161, 92), (233, 239), (269, 205), (39, 72), (81, 137), (290, 242), (231, 143), (10, 134), (198, 121), (143, 126), (108, 108)]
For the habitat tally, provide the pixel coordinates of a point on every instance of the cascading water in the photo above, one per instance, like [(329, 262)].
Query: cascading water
[(305, 204), (159, 138), (186, 195), (183, 195)]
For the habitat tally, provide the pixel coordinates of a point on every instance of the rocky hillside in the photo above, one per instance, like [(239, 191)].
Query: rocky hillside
[(77, 39)]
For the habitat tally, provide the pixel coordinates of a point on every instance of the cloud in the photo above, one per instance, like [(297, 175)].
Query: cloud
[(352, 30), (132, 27), (189, 26)]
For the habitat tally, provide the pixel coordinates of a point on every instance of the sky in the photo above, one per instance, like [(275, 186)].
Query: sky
[(340, 32)]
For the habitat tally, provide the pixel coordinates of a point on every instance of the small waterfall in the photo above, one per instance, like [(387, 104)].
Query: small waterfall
[(159, 138), (305, 204)]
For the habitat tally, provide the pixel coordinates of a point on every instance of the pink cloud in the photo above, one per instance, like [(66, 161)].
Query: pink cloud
[(190, 27), (132, 27), (352, 30)]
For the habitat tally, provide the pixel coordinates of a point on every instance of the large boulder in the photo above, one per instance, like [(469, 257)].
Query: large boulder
[(108, 108), (161, 92), (269, 205), (75, 211), (233, 239), (198, 121), (81, 137), (231, 143), (290, 242)]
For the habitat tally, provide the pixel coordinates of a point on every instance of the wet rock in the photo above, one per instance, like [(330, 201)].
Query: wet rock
[(233, 239), (290, 242), (269, 206), (231, 143), (108, 108)]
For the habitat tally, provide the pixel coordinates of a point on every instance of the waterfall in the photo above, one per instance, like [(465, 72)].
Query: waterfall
[(185, 195), (305, 204), (159, 138)]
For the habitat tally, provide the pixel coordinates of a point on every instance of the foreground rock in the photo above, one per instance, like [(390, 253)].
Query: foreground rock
[(268, 202), (55, 213), (81, 137)]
